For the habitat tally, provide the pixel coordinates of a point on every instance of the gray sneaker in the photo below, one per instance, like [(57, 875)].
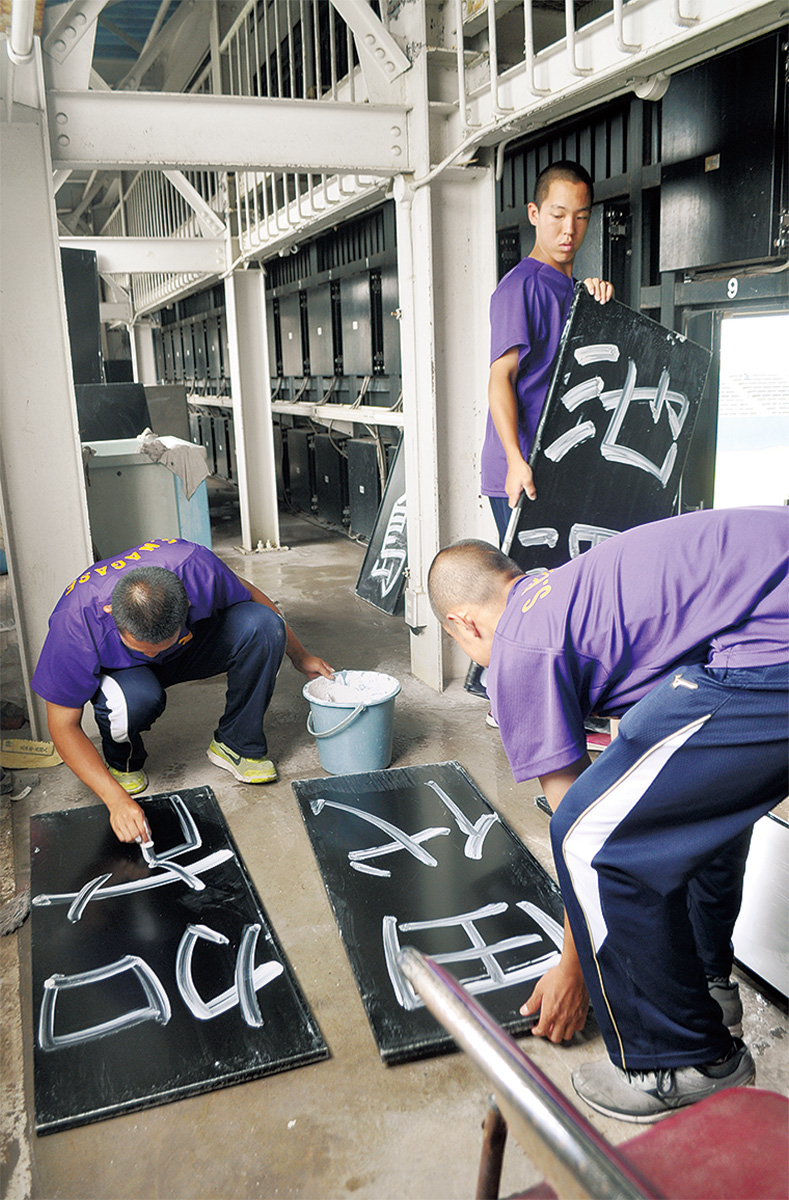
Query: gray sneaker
[(643, 1096), (726, 994)]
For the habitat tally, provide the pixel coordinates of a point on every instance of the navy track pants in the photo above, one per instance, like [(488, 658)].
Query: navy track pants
[(246, 641), (650, 845)]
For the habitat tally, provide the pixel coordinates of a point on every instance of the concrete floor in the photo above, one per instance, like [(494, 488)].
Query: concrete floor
[(349, 1125)]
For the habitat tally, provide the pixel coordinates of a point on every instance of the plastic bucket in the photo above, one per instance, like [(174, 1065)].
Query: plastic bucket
[(352, 719)]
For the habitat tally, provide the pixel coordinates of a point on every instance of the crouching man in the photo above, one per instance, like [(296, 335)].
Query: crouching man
[(679, 627), (130, 627)]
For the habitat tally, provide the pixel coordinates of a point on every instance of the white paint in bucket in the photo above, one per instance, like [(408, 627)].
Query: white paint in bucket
[(352, 687)]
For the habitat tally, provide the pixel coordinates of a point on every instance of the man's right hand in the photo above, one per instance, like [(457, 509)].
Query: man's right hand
[(519, 479), (563, 1003), (127, 819)]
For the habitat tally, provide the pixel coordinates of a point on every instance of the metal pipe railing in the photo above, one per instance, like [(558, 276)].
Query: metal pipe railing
[(574, 1157), (19, 46)]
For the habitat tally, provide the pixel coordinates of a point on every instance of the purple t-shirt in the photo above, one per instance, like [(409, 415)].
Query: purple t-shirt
[(83, 640), (598, 633), (528, 309)]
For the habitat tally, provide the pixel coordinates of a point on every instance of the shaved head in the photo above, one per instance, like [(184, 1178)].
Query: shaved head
[(565, 169), (468, 572)]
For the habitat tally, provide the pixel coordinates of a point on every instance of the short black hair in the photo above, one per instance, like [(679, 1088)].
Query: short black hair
[(566, 169), (150, 604), (469, 571)]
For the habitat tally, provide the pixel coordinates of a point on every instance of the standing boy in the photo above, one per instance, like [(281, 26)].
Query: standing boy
[(528, 312)]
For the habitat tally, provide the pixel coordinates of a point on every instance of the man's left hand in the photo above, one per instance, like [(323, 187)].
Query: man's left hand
[(601, 289)]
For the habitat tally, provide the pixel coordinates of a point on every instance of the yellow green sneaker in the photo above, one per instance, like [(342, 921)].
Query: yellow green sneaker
[(246, 770), (132, 782)]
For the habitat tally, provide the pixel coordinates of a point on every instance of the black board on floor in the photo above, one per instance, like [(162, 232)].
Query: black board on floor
[(614, 433), (153, 981), (382, 575), (416, 856)]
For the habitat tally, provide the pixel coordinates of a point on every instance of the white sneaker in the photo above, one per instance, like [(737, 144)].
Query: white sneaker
[(643, 1096)]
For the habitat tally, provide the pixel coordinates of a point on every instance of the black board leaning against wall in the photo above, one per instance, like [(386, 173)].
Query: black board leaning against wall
[(382, 576)]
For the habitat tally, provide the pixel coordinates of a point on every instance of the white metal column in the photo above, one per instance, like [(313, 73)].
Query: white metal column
[(44, 511), (446, 273), (464, 276), (245, 302), (143, 356)]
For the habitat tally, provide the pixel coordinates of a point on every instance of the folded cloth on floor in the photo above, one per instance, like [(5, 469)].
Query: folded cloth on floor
[(184, 459)]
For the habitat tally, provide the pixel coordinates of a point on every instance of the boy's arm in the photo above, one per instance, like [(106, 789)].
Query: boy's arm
[(561, 994), (78, 752), (503, 404), (309, 664)]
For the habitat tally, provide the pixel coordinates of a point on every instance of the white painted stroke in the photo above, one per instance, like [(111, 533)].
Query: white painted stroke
[(544, 536), (594, 826), (136, 885), (597, 352), (569, 440)]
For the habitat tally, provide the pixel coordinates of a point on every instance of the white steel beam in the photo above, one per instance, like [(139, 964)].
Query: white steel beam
[(372, 37), (376, 46), (124, 256), (213, 225), (114, 313), (365, 414), (162, 42), (126, 130), (78, 19)]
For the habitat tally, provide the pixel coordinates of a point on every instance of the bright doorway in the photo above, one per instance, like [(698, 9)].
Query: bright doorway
[(752, 458)]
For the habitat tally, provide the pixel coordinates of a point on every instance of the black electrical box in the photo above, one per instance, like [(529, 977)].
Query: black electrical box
[(331, 479), (281, 462), (364, 486), (231, 444), (221, 447), (723, 159), (81, 288), (205, 429), (301, 461)]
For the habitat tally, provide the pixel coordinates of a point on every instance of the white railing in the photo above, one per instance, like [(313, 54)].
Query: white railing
[(152, 207), (292, 49), (298, 50), (507, 66)]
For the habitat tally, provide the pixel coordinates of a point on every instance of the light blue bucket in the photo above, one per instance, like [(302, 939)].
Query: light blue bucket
[(352, 718)]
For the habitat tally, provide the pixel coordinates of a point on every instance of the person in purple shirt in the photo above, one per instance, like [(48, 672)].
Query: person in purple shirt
[(679, 628), (132, 626), (528, 312)]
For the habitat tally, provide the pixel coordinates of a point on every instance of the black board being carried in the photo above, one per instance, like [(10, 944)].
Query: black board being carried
[(156, 974), (614, 433), (416, 856), (382, 576)]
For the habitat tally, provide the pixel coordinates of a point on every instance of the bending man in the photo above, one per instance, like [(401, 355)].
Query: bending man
[(127, 629), (680, 628)]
